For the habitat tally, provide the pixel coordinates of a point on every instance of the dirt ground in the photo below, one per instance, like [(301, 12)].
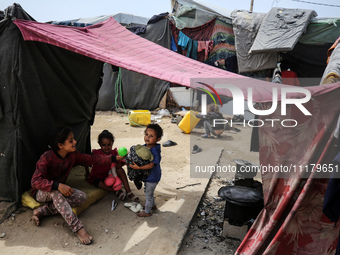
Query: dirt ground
[(179, 198)]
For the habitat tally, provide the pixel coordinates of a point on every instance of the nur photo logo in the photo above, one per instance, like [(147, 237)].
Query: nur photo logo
[(239, 102)]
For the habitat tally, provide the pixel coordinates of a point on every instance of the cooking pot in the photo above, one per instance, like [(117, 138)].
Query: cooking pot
[(242, 203)]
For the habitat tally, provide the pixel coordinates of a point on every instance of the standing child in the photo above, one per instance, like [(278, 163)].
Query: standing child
[(100, 172), (48, 182), (153, 134)]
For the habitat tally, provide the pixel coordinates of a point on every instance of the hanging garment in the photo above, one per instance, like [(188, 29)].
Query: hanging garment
[(290, 78)]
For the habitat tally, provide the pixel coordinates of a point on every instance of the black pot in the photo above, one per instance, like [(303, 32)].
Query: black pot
[(242, 203)]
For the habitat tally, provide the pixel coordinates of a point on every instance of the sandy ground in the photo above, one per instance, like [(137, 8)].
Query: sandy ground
[(121, 231)]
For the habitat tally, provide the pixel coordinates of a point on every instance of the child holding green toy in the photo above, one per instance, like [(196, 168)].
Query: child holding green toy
[(113, 178), (152, 135)]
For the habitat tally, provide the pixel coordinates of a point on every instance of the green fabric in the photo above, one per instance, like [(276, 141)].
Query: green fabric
[(143, 152), (321, 31)]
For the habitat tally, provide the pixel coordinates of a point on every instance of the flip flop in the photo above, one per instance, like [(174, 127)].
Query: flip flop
[(118, 184), (132, 197), (196, 149), (206, 136), (169, 143), (121, 194)]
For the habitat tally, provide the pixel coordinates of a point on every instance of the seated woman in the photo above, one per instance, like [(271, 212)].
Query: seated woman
[(212, 129)]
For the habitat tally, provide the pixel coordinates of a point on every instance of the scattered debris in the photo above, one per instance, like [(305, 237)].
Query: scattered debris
[(206, 230), (3, 235), (189, 185)]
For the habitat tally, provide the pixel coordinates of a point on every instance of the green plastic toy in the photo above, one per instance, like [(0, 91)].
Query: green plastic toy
[(122, 151)]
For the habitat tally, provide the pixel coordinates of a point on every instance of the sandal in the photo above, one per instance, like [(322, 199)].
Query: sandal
[(169, 143), (196, 149), (207, 136), (121, 194), (133, 197)]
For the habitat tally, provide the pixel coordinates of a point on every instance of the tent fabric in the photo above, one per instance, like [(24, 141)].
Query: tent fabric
[(224, 45), (42, 88), (308, 61), (106, 93), (281, 29), (140, 91), (110, 42), (333, 67), (122, 18), (195, 13), (200, 33), (292, 221), (321, 31), (128, 89), (246, 25)]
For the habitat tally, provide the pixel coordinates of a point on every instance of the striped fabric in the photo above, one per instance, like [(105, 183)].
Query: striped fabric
[(224, 44), (112, 43)]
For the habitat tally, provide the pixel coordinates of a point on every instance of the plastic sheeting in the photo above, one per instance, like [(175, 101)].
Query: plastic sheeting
[(292, 221), (246, 25), (111, 42), (333, 67), (42, 87), (321, 31), (194, 13), (133, 90), (123, 18), (308, 61), (281, 29)]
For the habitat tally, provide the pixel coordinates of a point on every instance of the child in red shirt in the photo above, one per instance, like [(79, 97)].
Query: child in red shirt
[(100, 172)]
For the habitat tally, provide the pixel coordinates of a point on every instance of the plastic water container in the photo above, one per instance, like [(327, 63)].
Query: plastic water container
[(139, 117), (189, 122)]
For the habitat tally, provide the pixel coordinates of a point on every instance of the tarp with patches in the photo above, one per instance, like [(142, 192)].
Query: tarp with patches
[(110, 42)]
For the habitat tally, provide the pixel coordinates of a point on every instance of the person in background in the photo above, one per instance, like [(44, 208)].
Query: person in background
[(212, 129)]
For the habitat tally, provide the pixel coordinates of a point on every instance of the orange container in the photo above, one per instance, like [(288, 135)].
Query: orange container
[(189, 122)]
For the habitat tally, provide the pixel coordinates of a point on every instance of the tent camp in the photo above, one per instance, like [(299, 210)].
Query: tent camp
[(306, 57), (50, 76)]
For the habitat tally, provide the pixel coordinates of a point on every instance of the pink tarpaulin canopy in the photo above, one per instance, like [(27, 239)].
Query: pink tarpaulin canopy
[(112, 43)]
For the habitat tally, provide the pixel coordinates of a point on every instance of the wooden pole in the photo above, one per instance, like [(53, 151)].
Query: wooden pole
[(251, 5)]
